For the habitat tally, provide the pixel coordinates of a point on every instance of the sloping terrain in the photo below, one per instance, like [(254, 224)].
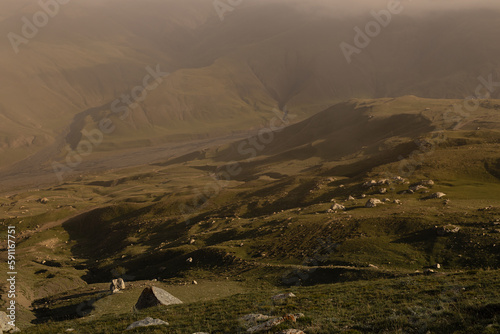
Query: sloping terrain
[(248, 229)]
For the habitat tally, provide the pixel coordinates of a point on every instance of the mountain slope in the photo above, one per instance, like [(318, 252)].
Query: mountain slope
[(226, 76)]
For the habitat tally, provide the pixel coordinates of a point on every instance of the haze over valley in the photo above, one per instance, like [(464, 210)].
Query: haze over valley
[(265, 166)]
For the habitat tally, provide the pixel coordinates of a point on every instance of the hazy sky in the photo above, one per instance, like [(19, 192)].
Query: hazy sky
[(342, 7)]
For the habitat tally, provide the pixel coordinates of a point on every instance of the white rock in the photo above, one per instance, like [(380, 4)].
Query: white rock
[(372, 202), (428, 183), (283, 296), (254, 318), (147, 322), (121, 283), (417, 188), (369, 184), (337, 206), (266, 326)]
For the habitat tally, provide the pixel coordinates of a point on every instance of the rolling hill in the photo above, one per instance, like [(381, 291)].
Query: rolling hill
[(249, 228)]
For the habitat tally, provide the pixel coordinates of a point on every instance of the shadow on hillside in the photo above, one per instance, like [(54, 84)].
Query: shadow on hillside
[(314, 276), (82, 307), (99, 234), (425, 236)]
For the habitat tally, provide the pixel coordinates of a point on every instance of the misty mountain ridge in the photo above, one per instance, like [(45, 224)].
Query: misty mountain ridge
[(226, 74)]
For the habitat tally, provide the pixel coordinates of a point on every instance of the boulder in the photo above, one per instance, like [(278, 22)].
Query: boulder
[(283, 296), (417, 187), (382, 190), (271, 323), (266, 326), (117, 285), (292, 331), (44, 200), (447, 229), (399, 179), (254, 318), (369, 184), (113, 287), (337, 206), (154, 296), (189, 260), (437, 195), (121, 283), (427, 183), (372, 202), (350, 198), (147, 322)]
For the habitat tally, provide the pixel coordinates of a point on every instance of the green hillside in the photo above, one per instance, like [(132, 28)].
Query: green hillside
[(256, 227)]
